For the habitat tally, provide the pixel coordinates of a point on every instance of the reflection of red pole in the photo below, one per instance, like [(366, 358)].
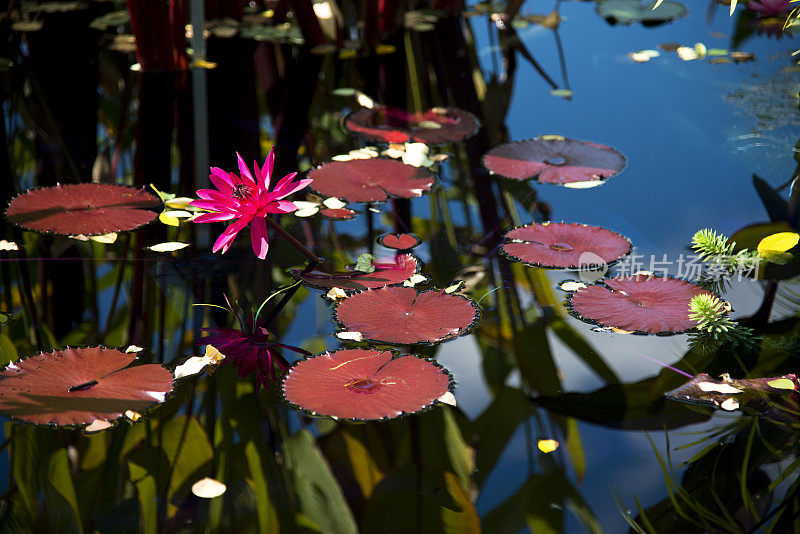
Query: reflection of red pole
[(160, 35), (307, 20)]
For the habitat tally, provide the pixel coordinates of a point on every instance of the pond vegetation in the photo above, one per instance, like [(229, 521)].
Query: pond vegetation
[(421, 334)]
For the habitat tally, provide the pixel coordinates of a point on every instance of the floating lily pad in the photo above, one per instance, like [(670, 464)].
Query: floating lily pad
[(633, 11), (87, 209), (384, 274), (370, 180), (555, 160), (402, 315), (565, 245), (76, 386), (641, 304), (363, 384), (399, 241), (393, 125), (775, 396), (338, 214)]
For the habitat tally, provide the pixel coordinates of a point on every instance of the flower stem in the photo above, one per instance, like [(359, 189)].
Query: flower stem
[(313, 258)]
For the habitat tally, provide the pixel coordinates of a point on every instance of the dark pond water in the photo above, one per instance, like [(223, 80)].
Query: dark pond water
[(710, 142)]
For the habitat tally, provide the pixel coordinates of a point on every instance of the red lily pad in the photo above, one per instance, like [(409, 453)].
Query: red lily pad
[(565, 245), (641, 304), (76, 386), (401, 315), (88, 209), (555, 160), (404, 267), (393, 125), (363, 384), (399, 241), (338, 214), (775, 397), (370, 180)]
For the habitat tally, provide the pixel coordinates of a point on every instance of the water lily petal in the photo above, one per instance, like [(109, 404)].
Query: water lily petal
[(288, 189), (284, 181), (226, 238), (213, 205), (221, 180), (246, 176), (214, 217), (259, 237), (280, 206), (266, 170)]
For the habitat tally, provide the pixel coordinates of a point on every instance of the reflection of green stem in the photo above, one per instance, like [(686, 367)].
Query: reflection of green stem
[(413, 77), (278, 292), (294, 242)]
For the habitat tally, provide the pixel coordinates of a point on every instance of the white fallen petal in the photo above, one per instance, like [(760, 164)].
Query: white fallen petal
[(336, 293), (133, 416), (584, 185), (158, 396), (97, 426), (448, 398), (365, 101), (178, 214), (730, 404), (191, 366), (306, 212), (717, 388), (343, 157), (572, 286), (133, 348), (169, 246), (414, 280), (334, 203), (8, 245), (208, 488), (350, 336)]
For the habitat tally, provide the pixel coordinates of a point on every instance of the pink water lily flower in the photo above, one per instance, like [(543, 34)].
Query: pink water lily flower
[(247, 199), (769, 8)]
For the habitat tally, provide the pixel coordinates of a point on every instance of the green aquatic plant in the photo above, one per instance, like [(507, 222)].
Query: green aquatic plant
[(708, 311), (718, 251)]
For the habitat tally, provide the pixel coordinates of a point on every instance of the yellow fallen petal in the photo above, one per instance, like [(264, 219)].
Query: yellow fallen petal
[(168, 219), (547, 445), (178, 203), (105, 238)]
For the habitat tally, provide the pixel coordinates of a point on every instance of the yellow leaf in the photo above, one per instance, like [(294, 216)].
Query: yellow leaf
[(781, 383), (774, 247)]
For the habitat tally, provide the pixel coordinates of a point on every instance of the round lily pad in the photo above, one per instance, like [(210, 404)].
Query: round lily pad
[(370, 180), (76, 386), (399, 241), (360, 384), (555, 160), (565, 245), (404, 267), (641, 304), (401, 315), (393, 125), (633, 11), (88, 209)]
